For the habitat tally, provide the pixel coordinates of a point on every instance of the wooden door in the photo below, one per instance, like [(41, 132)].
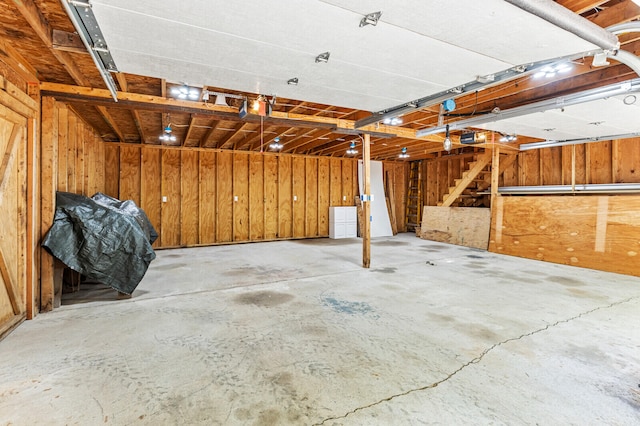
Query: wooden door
[(13, 223)]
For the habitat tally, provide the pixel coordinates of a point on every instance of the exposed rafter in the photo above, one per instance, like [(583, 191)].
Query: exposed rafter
[(41, 27)]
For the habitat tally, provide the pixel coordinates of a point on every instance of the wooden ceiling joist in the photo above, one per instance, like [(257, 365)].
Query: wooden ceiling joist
[(111, 122), (41, 27), (155, 103), (204, 142), (187, 135)]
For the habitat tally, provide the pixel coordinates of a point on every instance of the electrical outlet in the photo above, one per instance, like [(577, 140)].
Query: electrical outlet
[(295, 198), (344, 198), (235, 198), (164, 199)]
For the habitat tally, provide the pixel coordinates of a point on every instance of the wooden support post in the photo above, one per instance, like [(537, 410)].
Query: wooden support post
[(48, 182), (366, 205), (33, 218), (573, 168), (495, 173)]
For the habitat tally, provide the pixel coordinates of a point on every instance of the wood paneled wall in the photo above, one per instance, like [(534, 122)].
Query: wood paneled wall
[(199, 197), (72, 160), (597, 232), (616, 161)]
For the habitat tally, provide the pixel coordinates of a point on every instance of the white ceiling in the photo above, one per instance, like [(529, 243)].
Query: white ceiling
[(604, 117), (418, 48)]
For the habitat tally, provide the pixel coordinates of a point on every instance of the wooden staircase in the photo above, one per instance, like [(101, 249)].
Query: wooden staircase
[(475, 179)]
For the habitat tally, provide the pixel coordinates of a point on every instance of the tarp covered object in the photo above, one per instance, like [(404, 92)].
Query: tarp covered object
[(103, 238)]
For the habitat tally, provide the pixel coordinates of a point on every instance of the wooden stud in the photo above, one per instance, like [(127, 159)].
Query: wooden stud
[(207, 186), (240, 203), (48, 175), (495, 174), (33, 219), (170, 213), (151, 188), (189, 198), (366, 205)]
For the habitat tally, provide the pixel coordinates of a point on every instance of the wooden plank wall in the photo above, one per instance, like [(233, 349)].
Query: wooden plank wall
[(400, 181), (615, 161), (14, 242), (597, 232), (196, 197), (73, 159)]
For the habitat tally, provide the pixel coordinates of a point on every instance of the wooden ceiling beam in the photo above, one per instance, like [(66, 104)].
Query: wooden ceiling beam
[(14, 59), (138, 122), (226, 143), (255, 142), (581, 6), (110, 121), (622, 12), (294, 147), (294, 143), (124, 86), (205, 139), (40, 25), (192, 120), (151, 103), (122, 81)]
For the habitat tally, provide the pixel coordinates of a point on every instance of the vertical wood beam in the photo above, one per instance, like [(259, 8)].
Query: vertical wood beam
[(48, 175), (495, 173), (366, 204), (615, 161), (33, 218), (573, 168)]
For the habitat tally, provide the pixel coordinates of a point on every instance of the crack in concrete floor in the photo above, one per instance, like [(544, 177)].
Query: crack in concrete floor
[(475, 360)]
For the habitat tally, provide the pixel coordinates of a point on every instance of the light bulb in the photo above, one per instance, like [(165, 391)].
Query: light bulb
[(447, 144)]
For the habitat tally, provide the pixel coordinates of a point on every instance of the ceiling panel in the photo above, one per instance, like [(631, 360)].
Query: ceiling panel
[(418, 48), (605, 117)]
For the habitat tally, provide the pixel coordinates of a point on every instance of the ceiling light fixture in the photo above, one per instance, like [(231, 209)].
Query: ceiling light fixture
[(185, 92), (167, 135), (446, 144), (370, 19), (508, 138), (352, 149), (276, 145), (551, 70), (293, 81), (403, 153), (323, 57), (221, 100), (392, 121)]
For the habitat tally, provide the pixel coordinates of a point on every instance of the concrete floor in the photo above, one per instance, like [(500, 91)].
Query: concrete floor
[(296, 332)]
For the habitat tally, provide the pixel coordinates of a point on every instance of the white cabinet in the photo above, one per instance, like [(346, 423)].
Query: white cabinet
[(343, 222)]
